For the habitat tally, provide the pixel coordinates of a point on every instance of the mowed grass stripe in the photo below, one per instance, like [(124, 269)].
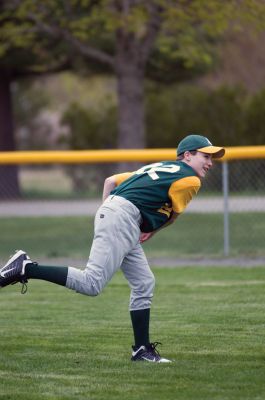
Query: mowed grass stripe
[(191, 235), (56, 344)]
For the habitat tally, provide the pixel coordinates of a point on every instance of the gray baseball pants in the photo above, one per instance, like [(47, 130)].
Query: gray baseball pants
[(116, 245)]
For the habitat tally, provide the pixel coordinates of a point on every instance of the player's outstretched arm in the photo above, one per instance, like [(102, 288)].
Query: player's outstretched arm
[(109, 185)]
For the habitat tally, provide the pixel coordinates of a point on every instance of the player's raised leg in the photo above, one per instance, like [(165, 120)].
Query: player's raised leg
[(111, 243), (20, 268)]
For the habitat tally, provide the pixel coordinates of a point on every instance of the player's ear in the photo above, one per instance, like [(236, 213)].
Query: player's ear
[(187, 156)]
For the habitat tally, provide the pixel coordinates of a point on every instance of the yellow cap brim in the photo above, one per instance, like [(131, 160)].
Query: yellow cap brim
[(217, 152)]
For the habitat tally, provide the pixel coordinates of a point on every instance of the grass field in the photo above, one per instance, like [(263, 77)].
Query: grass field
[(192, 235), (58, 345)]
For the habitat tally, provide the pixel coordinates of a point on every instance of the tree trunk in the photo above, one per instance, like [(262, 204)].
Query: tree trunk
[(9, 185), (130, 89)]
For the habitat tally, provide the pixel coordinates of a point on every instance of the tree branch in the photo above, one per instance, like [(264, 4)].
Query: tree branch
[(88, 51), (83, 48), (153, 27), (37, 71)]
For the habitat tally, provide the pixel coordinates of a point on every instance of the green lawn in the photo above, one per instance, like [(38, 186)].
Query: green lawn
[(56, 344), (192, 235)]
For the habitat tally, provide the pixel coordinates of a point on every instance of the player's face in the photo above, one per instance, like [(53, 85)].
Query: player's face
[(201, 163)]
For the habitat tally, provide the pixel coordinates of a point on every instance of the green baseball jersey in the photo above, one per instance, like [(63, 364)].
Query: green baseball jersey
[(157, 190)]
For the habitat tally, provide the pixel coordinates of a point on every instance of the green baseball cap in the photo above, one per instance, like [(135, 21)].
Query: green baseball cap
[(200, 143)]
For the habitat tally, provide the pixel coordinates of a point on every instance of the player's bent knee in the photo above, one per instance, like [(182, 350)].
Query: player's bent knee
[(92, 289), (153, 282), (141, 297), (88, 291), (85, 284), (149, 285)]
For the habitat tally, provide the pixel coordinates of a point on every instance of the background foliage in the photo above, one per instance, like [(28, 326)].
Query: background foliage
[(229, 115)]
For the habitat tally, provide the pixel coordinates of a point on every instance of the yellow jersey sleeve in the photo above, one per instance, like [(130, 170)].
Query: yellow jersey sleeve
[(119, 178), (182, 191)]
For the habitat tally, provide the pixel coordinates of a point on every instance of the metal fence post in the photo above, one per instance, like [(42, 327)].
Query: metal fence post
[(225, 181)]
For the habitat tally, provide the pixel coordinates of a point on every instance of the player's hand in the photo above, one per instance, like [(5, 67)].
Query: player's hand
[(144, 236)]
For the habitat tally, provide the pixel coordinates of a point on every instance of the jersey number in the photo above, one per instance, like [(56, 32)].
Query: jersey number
[(152, 169)]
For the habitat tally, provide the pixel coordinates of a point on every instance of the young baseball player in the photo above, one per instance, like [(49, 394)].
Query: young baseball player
[(136, 205)]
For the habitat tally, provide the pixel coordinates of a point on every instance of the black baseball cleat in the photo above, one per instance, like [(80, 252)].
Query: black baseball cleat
[(14, 270), (148, 353)]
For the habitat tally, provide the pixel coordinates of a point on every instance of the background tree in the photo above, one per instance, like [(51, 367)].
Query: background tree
[(9, 186), (132, 39), (21, 55)]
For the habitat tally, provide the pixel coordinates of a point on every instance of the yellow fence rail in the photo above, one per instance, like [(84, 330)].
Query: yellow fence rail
[(106, 156)]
